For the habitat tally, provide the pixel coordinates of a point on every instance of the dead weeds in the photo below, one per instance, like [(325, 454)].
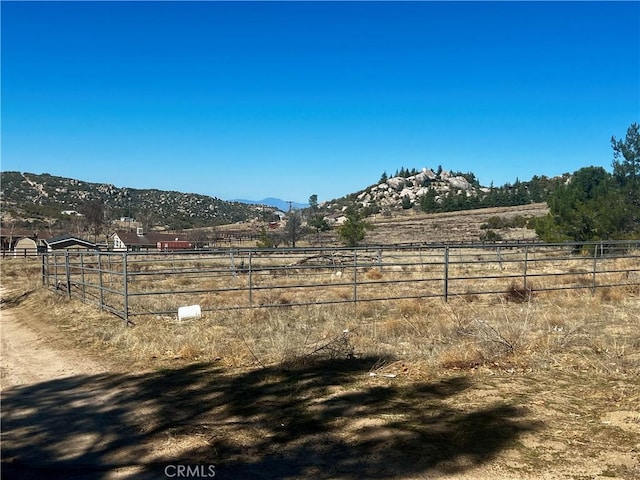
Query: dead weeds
[(553, 378)]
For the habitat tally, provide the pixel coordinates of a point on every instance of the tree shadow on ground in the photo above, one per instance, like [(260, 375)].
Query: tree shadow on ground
[(326, 419)]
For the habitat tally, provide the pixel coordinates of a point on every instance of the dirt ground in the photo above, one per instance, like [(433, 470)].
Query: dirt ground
[(67, 413)]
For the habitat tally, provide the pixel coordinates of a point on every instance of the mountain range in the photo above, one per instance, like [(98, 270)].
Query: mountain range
[(282, 205), (40, 201)]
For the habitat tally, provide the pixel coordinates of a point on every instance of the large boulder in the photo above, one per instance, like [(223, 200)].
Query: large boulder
[(429, 173), (408, 192), (422, 191), (459, 183), (397, 183), (420, 179)]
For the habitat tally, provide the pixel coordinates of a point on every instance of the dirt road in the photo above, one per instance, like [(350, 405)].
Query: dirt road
[(58, 417), (28, 357)]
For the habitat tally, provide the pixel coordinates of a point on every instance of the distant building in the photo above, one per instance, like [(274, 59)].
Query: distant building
[(69, 242), (21, 242), (137, 241)]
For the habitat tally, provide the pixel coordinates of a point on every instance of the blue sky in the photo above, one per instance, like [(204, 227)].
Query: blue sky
[(250, 100)]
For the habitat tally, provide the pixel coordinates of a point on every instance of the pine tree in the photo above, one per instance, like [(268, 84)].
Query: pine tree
[(428, 202), (354, 228), (626, 171)]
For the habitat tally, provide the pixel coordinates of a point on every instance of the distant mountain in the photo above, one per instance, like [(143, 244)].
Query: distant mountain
[(278, 203), (43, 200)]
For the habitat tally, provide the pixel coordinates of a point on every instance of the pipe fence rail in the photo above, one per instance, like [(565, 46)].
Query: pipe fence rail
[(130, 284)]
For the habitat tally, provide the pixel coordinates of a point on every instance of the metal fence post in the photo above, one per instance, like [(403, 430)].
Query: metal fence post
[(44, 279), (55, 271), (84, 292), (68, 273), (355, 274), (446, 273), (125, 292), (250, 281), (233, 264), (595, 258), (526, 259), (100, 281)]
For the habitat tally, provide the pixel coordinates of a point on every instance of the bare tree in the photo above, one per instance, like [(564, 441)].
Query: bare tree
[(200, 237), (294, 224), (94, 218)]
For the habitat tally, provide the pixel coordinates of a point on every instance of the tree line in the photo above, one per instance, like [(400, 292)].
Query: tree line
[(595, 204), (537, 190)]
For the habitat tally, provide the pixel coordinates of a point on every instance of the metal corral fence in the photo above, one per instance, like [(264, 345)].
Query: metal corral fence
[(159, 283)]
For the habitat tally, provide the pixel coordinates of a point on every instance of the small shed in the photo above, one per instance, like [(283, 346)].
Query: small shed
[(10, 236), (69, 242), (25, 247)]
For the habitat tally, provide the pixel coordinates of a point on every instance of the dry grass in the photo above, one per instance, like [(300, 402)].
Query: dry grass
[(567, 361), (522, 327), (413, 226)]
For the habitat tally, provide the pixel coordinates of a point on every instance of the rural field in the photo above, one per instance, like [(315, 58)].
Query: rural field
[(508, 386), (412, 226)]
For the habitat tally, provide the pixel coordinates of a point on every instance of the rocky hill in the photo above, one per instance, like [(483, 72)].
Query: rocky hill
[(34, 200), (442, 191), (398, 190)]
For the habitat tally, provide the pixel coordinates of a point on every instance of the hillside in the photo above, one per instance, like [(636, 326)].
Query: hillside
[(37, 200), (462, 226), (441, 191), (46, 202)]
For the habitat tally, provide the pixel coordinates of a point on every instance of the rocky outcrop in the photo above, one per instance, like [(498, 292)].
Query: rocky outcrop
[(392, 192), (459, 183)]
